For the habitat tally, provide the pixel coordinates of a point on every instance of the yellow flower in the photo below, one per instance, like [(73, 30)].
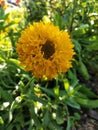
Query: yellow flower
[(45, 50)]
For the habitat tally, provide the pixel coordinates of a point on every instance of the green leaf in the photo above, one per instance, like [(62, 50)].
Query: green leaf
[(77, 116), (48, 91), (83, 70), (60, 115), (5, 95), (10, 127), (46, 119), (58, 20), (54, 126), (77, 45), (87, 91), (93, 46), (35, 98), (18, 127), (73, 77), (81, 95), (87, 103), (36, 119), (73, 103)]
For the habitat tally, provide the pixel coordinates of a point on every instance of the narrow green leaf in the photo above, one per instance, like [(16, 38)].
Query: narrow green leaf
[(83, 70), (87, 103), (72, 102), (35, 98), (77, 45), (46, 119), (54, 126), (5, 95), (48, 91), (87, 91)]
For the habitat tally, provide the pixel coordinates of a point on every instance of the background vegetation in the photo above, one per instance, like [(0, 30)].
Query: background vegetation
[(27, 103)]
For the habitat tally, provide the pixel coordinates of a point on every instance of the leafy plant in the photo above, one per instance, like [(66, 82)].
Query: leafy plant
[(29, 103)]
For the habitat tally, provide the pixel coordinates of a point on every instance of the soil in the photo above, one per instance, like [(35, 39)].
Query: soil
[(88, 121)]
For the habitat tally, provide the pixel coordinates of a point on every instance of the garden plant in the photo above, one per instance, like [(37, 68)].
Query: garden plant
[(48, 63)]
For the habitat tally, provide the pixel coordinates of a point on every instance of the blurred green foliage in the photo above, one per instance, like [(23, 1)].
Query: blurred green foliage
[(35, 10), (27, 103)]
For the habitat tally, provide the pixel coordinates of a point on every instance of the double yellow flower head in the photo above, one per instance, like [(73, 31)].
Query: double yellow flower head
[(45, 50)]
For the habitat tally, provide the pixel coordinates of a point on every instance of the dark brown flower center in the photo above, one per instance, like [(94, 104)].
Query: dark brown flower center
[(48, 49)]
